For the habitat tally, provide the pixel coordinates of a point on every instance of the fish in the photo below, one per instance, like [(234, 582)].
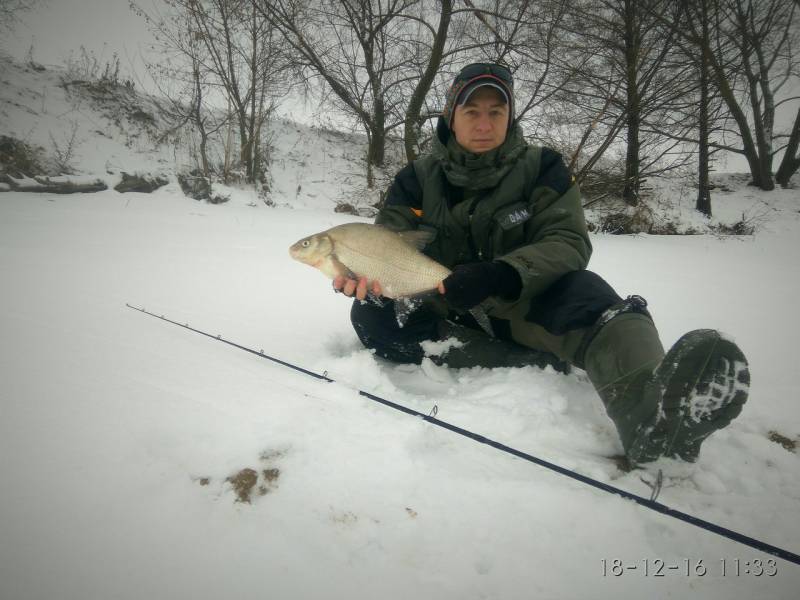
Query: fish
[(355, 250), (392, 258)]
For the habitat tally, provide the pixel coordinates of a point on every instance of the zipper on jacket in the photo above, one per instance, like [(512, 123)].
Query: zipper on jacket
[(473, 205)]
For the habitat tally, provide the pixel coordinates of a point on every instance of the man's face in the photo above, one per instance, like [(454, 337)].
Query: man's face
[(481, 123)]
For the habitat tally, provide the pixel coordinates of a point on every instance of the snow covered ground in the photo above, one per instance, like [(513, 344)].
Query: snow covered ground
[(118, 432)]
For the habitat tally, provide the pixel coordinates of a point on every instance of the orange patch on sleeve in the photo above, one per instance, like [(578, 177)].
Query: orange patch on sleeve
[(417, 211)]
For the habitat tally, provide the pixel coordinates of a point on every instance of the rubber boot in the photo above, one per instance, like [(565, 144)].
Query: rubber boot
[(469, 347), (665, 405), (620, 361)]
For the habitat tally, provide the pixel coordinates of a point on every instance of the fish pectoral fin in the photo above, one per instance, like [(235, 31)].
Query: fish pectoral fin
[(419, 238), (341, 269)]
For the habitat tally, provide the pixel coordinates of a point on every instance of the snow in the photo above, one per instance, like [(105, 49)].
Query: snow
[(119, 432), (111, 419), (442, 347)]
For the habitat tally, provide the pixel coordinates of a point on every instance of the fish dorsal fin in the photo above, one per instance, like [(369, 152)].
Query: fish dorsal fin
[(419, 238)]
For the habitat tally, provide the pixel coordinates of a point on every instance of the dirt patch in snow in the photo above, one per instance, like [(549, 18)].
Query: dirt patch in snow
[(788, 443), (250, 483), (243, 483)]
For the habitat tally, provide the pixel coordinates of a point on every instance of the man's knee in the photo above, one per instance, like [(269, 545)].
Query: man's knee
[(573, 302)]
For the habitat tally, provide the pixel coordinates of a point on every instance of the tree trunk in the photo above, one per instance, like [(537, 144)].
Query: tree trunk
[(228, 143), (258, 158), (749, 148), (198, 117), (759, 151), (761, 125), (376, 150), (245, 144), (44, 184), (204, 152), (791, 160), (703, 188), (252, 171), (376, 154), (766, 180), (630, 192), (376, 123)]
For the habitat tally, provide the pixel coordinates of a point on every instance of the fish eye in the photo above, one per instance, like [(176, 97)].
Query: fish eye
[(306, 243)]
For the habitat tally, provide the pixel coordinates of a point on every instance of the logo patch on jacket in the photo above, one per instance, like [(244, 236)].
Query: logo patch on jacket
[(514, 217)]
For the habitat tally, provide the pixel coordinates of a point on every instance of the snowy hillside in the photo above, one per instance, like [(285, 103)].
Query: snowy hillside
[(140, 460), (95, 130)]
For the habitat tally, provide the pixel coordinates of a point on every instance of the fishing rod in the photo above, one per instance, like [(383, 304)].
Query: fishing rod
[(650, 503)]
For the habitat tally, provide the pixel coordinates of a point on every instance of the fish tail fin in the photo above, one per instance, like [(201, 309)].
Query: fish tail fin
[(480, 316)]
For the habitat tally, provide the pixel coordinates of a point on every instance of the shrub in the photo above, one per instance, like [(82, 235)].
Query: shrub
[(19, 158)]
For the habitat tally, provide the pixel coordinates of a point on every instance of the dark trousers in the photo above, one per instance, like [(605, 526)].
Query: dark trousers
[(556, 321)]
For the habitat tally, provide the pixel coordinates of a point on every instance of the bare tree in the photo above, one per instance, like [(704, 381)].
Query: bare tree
[(626, 82), (228, 51), (750, 54), (700, 117), (182, 78), (357, 48), (387, 63), (244, 54)]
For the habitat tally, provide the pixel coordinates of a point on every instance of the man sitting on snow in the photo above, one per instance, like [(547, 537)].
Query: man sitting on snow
[(509, 223)]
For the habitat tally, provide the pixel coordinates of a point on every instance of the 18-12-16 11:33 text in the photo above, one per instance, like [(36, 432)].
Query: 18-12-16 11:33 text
[(687, 567)]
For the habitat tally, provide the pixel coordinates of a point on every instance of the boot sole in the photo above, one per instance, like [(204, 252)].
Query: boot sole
[(705, 381)]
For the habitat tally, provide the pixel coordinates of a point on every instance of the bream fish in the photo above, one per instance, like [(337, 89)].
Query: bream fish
[(356, 250)]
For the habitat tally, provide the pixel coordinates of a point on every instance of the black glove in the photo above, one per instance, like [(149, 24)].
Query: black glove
[(469, 285)]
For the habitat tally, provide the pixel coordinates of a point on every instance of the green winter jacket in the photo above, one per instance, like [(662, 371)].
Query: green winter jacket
[(517, 204)]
